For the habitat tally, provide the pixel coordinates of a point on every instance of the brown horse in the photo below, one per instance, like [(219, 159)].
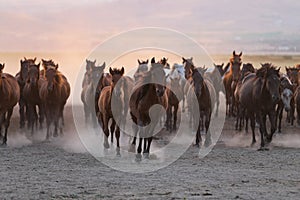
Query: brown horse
[(150, 90), (175, 95), (21, 77), (54, 91), (294, 76), (241, 113), (32, 98), (204, 103), (106, 105), (230, 80), (89, 90), (259, 95), (297, 101), (10, 95)]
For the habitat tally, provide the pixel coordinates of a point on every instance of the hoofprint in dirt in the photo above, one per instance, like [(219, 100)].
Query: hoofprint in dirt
[(63, 169)]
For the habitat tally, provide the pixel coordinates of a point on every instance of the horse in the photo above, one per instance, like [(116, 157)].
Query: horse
[(204, 102), (293, 74), (241, 113), (286, 101), (10, 95), (87, 75), (149, 90), (175, 95), (215, 76), (106, 105), (141, 69), (259, 95), (297, 101), (32, 98), (230, 80), (54, 90), (89, 90), (21, 77), (164, 62)]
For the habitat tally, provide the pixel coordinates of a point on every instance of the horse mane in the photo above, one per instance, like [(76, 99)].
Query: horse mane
[(266, 70)]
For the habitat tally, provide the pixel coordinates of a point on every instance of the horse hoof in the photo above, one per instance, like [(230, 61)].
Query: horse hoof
[(197, 145), (253, 143), (106, 145), (138, 157), (146, 155), (118, 152), (263, 149)]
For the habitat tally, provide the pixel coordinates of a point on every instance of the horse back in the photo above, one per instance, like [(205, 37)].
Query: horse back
[(10, 90)]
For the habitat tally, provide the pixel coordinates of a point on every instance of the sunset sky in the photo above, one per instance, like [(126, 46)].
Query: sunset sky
[(220, 26)]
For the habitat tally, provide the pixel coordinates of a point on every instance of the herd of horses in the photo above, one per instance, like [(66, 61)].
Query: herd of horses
[(41, 94), (251, 93)]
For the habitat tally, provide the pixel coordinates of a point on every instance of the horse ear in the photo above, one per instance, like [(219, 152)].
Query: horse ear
[(241, 54), (104, 65), (261, 64), (153, 60), (43, 60), (111, 71), (122, 70), (147, 60), (222, 65), (287, 69), (139, 61), (86, 60), (215, 65), (94, 62), (233, 53), (38, 66), (2, 66), (25, 58), (56, 66), (191, 58), (34, 59)]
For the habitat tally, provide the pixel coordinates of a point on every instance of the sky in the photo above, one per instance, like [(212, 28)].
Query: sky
[(220, 26)]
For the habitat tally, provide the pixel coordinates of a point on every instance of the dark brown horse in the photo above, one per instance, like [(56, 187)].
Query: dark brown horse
[(21, 77), (259, 95), (54, 91), (89, 90), (32, 98), (149, 91), (10, 95), (230, 80), (175, 95), (241, 113), (106, 105), (204, 104)]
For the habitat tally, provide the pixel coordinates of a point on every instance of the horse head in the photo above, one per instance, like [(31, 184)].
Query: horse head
[(164, 62), (33, 74), (246, 69), (158, 77), (89, 65), (188, 66), (24, 67), (198, 81), (235, 65), (293, 74), (271, 83), (51, 76)]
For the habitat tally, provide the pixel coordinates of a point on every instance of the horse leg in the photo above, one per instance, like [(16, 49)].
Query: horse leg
[(261, 130), (175, 116), (41, 115), (218, 103), (169, 118), (22, 112), (118, 140), (7, 122), (252, 124), (139, 150), (198, 136), (112, 130), (106, 132), (272, 117), (207, 142), (292, 112), (149, 141), (48, 121), (279, 117)]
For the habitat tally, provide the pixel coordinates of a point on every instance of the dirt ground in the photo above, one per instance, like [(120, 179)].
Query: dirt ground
[(62, 169)]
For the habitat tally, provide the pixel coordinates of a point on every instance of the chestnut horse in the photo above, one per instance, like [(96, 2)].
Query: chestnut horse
[(32, 98), (21, 77), (106, 105), (149, 91), (10, 95), (259, 95), (230, 80), (54, 91)]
